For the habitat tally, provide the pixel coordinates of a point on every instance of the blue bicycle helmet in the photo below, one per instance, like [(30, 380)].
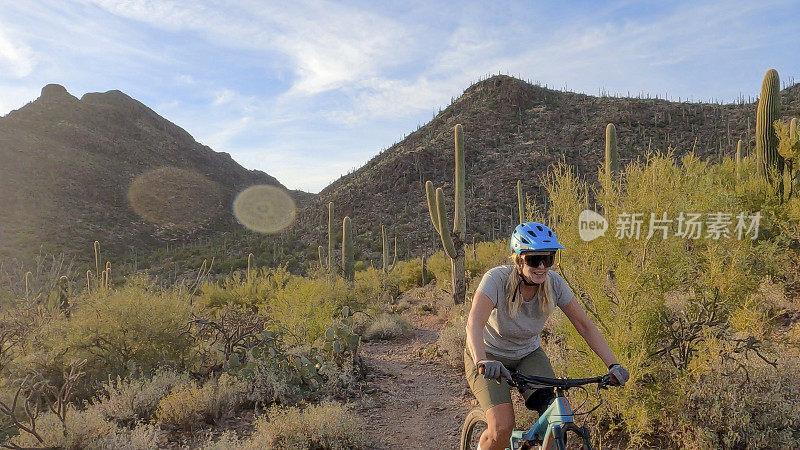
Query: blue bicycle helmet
[(533, 236)]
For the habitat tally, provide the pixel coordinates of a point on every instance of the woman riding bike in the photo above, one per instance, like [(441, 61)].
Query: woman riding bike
[(508, 312)]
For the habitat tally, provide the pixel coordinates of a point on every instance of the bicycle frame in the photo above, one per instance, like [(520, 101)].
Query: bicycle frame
[(551, 428), (558, 414)]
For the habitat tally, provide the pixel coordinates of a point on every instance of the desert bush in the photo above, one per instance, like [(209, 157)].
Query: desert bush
[(487, 255), (371, 285), (191, 405), (183, 408), (386, 326), (130, 400), (81, 430), (225, 395), (228, 440), (271, 383), (304, 307), (451, 342), (409, 274), (324, 426), (135, 328), (245, 289), (439, 265), (661, 303), (745, 404), (144, 436)]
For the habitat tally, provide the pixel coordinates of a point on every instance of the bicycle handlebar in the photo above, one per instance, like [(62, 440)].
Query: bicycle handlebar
[(519, 378)]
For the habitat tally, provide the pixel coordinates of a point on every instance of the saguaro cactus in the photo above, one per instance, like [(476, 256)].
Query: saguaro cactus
[(520, 202), (790, 151), (738, 159), (63, 295), (387, 268), (348, 266), (768, 111), (424, 281), (612, 155), (453, 243), (330, 235), (794, 142)]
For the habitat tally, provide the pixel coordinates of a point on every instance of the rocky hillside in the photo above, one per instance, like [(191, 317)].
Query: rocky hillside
[(72, 171), (516, 130), (108, 168)]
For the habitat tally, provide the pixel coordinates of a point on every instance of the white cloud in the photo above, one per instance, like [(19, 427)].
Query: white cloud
[(329, 44), (15, 57)]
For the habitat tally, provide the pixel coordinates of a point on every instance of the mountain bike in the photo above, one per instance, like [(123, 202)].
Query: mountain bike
[(555, 428)]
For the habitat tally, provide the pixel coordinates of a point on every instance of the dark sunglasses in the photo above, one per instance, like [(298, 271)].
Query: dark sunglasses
[(535, 260)]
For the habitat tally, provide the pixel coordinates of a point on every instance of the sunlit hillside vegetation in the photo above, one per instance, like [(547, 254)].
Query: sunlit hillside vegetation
[(708, 327)]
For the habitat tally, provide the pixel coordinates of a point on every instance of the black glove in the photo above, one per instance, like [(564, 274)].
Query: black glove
[(619, 373), (494, 369)]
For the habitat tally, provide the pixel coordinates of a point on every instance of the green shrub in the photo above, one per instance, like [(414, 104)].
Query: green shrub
[(243, 289), (487, 255), (640, 291), (136, 328), (304, 307), (409, 274), (372, 285), (270, 383)]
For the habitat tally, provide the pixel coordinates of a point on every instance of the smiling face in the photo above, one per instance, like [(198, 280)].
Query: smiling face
[(536, 273)]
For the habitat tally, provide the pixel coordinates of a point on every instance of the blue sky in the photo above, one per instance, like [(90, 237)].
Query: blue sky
[(309, 90)]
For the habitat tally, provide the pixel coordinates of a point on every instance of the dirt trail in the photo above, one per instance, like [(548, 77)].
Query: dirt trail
[(420, 402)]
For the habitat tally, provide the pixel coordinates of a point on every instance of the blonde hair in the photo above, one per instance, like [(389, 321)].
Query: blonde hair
[(514, 295)]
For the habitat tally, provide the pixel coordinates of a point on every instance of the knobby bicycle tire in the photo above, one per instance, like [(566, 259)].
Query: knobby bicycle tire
[(472, 423)]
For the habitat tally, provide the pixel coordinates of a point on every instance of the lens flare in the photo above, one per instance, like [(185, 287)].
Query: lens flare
[(171, 196), (264, 208)]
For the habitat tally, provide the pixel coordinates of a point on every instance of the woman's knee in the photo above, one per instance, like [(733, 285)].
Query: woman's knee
[(500, 420)]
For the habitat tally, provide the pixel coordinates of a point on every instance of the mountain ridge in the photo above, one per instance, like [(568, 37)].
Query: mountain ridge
[(516, 130), (66, 165)]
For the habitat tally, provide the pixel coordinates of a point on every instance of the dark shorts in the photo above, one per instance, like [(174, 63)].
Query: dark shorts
[(492, 393)]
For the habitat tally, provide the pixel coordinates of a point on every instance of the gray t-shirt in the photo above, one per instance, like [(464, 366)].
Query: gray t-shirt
[(516, 337)]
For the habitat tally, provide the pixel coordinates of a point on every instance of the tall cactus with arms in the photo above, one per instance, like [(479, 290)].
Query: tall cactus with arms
[(768, 111), (453, 243)]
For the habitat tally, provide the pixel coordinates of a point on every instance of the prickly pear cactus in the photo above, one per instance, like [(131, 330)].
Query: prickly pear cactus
[(340, 338)]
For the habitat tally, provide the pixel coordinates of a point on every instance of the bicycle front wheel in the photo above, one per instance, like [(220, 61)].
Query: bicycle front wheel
[(474, 425)]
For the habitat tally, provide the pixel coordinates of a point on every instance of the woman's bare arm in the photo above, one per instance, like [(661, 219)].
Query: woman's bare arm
[(478, 316), (588, 330)]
